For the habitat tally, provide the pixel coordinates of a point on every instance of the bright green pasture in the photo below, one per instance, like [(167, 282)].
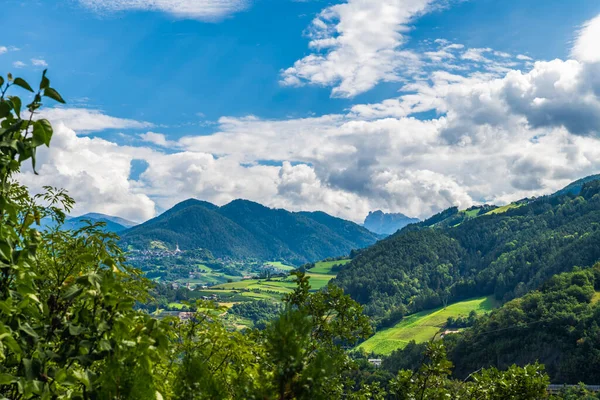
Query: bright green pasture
[(503, 209), (422, 326), (280, 265), (324, 267)]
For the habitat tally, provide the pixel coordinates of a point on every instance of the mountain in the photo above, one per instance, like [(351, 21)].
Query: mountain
[(505, 251), (387, 224), (108, 218), (244, 229), (113, 224)]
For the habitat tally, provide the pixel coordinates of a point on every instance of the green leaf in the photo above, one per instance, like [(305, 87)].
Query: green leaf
[(53, 94), (29, 330), (42, 132), (72, 292), (4, 109), (75, 330), (45, 83), (21, 82), (1, 81), (6, 379), (83, 377), (17, 105), (10, 342)]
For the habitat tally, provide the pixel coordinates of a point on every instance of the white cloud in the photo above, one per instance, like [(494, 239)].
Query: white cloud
[(94, 171), (157, 138), (193, 9), (495, 134), (38, 62), (19, 64), (3, 49), (586, 45), (358, 44), (84, 120), (476, 54)]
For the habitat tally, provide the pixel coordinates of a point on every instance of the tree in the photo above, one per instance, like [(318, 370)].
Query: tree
[(67, 324)]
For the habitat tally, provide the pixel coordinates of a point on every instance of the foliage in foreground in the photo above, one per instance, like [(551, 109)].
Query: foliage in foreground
[(69, 329)]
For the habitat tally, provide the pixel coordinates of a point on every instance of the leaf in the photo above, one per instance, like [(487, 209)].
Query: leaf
[(75, 330), (6, 379), (72, 292), (53, 94), (10, 342), (45, 83), (83, 377), (21, 82), (4, 109), (17, 105), (42, 132), (29, 330), (1, 81)]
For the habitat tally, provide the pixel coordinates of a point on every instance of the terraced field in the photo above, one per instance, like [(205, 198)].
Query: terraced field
[(272, 289), (422, 326)]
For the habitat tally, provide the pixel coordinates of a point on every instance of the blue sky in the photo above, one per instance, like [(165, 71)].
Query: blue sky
[(186, 79)]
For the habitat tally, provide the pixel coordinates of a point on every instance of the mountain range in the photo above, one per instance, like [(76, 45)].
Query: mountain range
[(244, 229), (113, 224), (387, 224)]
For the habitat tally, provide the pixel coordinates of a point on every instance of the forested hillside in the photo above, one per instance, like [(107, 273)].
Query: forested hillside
[(455, 255), (557, 326), (244, 229)]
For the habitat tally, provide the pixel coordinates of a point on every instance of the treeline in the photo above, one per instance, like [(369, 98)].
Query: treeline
[(506, 254)]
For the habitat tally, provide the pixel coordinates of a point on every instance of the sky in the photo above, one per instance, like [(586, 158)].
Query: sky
[(349, 106)]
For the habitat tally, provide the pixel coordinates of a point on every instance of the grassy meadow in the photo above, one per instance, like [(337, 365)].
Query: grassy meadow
[(422, 326)]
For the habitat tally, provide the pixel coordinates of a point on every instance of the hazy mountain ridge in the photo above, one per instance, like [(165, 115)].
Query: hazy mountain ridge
[(113, 224), (387, 223), (246, 229)]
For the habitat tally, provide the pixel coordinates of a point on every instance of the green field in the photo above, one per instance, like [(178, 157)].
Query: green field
[(280, 265), (422, 326), (324, 267), (503, 209), (272, 289)]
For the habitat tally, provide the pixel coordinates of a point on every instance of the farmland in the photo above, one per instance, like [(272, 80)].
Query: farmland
[(422, 326)]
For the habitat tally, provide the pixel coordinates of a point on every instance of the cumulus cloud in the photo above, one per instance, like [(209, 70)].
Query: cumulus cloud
[(358, 44), (94, 171), (499, 129), (196, 9), (586, 44), (84, 120), (38, 62), (158, 139), (19, 64)]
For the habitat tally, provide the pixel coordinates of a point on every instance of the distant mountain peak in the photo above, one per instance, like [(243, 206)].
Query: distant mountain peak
[(98, 216), (387, 223)]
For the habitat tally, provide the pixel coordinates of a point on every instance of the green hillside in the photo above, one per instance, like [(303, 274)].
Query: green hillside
[(452, 256), (243, 229), (422, 326), (556, 325)]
